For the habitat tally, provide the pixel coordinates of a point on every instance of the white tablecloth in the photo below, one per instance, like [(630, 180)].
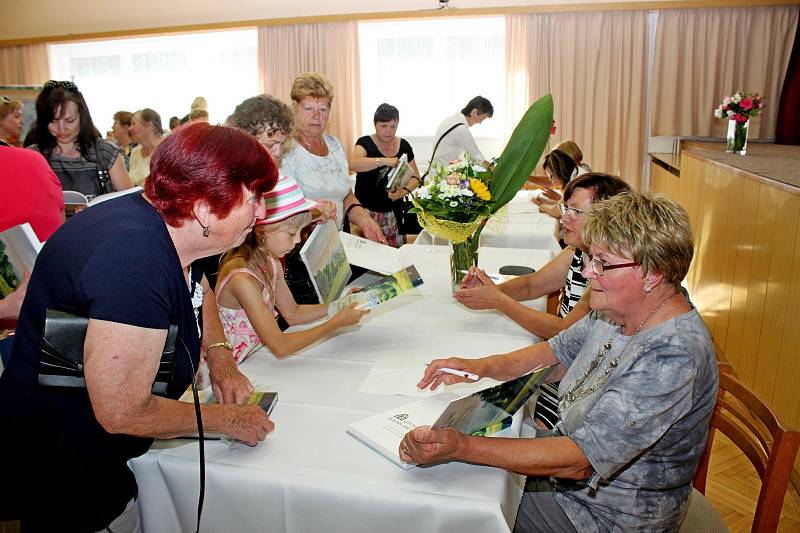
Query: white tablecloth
[(525, 228), (309, 475)]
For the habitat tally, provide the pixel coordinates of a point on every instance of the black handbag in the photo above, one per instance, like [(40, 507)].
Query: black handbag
[(61, 353)]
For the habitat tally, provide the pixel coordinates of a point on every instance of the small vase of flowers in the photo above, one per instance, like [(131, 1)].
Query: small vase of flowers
[(738, 109)]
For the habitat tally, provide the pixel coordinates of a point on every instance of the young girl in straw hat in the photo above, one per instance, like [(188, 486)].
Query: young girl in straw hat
[(251, 289)]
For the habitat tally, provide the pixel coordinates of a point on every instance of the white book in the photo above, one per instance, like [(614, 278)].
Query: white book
[(326, 262), (485, 412), (22, 247), (370, 255)]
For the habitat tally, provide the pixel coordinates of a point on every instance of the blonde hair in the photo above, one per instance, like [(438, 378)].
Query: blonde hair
[(198, 113), (570, 148), (651, 229), (255, 254), (8, 106), (199, 103), (311, 84)]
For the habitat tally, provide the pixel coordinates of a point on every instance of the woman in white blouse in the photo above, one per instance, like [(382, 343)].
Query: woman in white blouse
[(147, 131), (317, 160)]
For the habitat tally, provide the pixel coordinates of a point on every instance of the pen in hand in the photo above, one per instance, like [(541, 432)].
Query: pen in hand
[(460, 373)]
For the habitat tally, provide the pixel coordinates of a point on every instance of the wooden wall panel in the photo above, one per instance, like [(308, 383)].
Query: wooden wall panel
[(745, 277)]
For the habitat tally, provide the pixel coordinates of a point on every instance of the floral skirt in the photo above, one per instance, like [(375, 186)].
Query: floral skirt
[(388, 224)]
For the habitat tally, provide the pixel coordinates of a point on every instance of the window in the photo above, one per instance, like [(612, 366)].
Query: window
[(429, 69), (164, 73)]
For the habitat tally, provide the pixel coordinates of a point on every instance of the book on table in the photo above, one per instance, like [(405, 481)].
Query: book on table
[(326, 261), (399, 175), (485, 412), (379, 291), (265, 400)]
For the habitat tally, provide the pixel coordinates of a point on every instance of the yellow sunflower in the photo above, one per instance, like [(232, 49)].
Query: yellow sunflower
[(480, 189)]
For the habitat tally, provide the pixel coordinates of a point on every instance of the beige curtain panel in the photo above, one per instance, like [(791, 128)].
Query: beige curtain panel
[(595, 66), (330, 49), (702, 55), (24, 65)]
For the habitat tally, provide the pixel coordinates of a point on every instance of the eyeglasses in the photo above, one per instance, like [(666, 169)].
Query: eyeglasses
[(571, 210), (599, 267)]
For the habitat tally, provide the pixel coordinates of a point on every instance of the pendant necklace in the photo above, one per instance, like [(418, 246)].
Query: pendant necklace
[(576, 392)]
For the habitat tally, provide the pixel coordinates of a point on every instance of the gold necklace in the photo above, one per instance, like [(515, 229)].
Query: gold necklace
[(575, 392)]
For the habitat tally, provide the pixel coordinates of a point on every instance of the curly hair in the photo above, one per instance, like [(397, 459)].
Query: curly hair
[(262, 113)]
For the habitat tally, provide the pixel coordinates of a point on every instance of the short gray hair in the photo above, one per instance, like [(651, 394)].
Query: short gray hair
[(651, 229)]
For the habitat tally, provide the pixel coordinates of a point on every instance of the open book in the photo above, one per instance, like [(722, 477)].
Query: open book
[(400, 175), (326, 261), (480, 413), (379, 291), (265, 400), (21, 246), (370, 254)]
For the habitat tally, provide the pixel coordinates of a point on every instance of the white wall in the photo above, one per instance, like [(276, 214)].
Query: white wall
[(40, 18)]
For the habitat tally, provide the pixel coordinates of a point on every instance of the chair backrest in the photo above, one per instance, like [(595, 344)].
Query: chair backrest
[(769, 445)]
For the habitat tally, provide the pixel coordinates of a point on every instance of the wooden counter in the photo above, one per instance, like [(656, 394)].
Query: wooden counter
[(745, 276)]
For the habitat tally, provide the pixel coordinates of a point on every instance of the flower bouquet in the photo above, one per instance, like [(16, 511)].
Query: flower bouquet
[(738, 109), (455, 201)]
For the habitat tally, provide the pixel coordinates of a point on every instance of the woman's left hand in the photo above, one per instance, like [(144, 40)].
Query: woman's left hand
[(397, 194), (227, 382), (424, 445), (372, 230)]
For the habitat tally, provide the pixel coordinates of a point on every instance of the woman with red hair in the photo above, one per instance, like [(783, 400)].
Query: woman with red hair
[(126, 265)]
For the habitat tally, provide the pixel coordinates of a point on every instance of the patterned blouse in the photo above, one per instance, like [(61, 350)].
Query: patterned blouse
[(238, 329), (575, 285)]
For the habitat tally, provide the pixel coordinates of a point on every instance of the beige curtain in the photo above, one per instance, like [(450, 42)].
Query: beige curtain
[(24, 65), (702, 55), (330, 49), (595, 66)]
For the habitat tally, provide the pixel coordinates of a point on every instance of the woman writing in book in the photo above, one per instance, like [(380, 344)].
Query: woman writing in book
[(638, 385), (251, 288), (372, 157)]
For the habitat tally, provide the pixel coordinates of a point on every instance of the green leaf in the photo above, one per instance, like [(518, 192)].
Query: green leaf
[(522, 152)]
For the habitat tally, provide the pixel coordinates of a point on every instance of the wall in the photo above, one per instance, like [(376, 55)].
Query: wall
[(31, 19)]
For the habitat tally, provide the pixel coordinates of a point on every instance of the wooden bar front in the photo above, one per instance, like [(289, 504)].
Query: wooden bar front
[(745, 276)]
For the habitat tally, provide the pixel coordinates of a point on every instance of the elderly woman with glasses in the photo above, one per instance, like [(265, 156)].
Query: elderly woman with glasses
[(68, 139), (638, 385)]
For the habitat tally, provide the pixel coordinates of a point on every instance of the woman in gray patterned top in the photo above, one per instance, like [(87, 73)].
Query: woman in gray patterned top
[(68, 139), (638, 385)]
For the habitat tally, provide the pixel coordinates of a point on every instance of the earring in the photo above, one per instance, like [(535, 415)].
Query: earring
[(205, 231), (648, 290)]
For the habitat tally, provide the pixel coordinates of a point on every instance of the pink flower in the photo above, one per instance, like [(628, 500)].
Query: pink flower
[(739, 117), (452, 179), (724, 107), (746, 104)]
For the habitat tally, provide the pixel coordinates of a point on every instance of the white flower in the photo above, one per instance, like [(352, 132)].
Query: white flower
[(737, 98), (424, 193), (467, 192), (730, 113), (453, 204), (478, 168), (718, 113)]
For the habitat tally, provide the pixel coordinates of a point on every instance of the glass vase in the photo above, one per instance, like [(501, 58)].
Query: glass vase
[(462, 256), (737, 137)]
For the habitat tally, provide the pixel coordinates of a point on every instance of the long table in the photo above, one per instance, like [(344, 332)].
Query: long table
[(309, 475)]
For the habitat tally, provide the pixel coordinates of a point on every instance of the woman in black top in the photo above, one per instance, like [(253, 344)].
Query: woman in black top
[(373, 156)]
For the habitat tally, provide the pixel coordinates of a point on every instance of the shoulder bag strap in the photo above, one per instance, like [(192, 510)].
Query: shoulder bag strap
[(103, 177), (433, 154)]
